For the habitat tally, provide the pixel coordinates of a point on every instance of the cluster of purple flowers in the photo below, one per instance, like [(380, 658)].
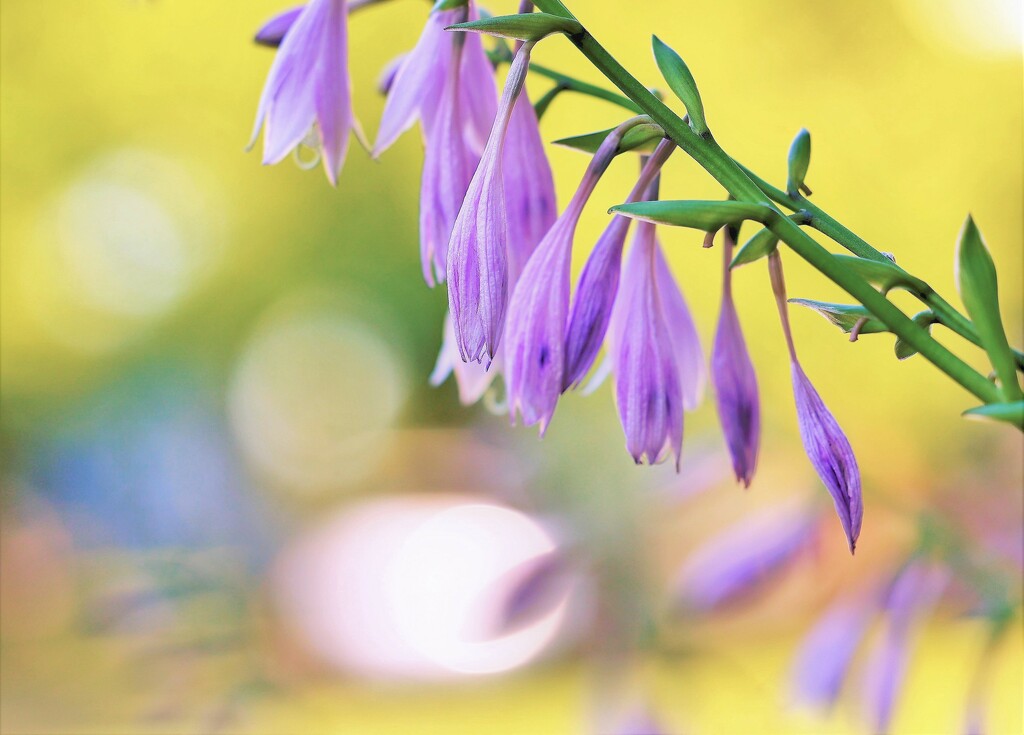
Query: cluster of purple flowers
[(491, 230)]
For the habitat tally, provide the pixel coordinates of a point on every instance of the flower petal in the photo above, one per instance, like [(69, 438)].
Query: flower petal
[(830, 453)]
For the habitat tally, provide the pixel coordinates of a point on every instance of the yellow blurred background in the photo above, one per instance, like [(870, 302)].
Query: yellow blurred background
[(210, 367)]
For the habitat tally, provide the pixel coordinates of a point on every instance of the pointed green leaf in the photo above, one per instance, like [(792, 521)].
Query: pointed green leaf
[(643, 137), (761, 244), (884, 274), (845, 316), (449, 4), (706, 216), (924, 319), (799, 161), (522, 26), (976, 276), (681, 82), (1011, 412)]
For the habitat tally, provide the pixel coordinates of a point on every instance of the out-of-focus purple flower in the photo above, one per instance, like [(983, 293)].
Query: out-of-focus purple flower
[(309, 83), (639, 721), (537, 586), (824, 656), (416, 89), (478, 262), (272, 32), (535, 347), (732, 374), (826, 445), (912, 596), (648, 388), (472, 378), (447, 169), (599, 283), (737, 561)]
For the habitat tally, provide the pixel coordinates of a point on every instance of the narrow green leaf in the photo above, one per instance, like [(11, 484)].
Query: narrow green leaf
[(799, 161), (681, 82), (643, 137), (706, 216), (845, 316), (924, 319), (976, 276), (1011, 412), (882, 273), (522, 26), (761, 244), (449, 4)]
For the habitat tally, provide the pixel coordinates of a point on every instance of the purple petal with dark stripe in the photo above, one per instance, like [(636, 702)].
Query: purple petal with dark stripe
[(736, 394), (647, 385), (830, 453), (594, 301)]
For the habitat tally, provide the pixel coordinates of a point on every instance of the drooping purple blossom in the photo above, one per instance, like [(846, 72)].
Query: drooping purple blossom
[(824, 656), (416, 88), (732, 373), (447, 169), (472, 378), (826, 445), (478, 251), (535, 333), (599, 282), (737, 561), (529, 186), (309, 84), (912, 595), (648, 387), (683, 332)]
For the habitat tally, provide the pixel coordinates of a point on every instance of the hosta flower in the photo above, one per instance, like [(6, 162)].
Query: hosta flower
[(826, 445), (478, 262), (648, 387), (308, 85), (738, 560), (824, 656), (472, 378), (447, 83), (415, 90), (535, 339), (447, 168), (911, 597), (732, 373), (530, 204), (599, 282)]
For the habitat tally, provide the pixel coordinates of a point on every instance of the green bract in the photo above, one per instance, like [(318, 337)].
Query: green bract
[(643, 137), (681, 82), (976, 276), (845, 316), (522, 27), (761, 244), (799, 160), (884, 274), (449, 4), (1011, 412), (707, 216)]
